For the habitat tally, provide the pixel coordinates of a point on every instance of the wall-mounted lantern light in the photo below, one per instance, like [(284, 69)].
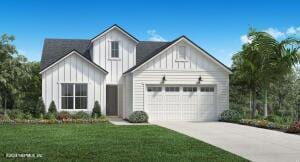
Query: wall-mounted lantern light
[(199, 79), (163, 79)]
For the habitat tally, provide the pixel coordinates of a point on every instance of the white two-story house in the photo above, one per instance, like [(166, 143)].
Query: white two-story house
[(170, 81)]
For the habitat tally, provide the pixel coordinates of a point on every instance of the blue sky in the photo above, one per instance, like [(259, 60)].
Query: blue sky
[(217, 26)]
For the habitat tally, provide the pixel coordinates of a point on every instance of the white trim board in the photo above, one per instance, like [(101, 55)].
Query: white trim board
[(190, 43), (114, 27), (73, 52)]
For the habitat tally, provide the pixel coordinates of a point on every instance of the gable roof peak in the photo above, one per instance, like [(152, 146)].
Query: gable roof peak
[(167, 45), (118, 27)]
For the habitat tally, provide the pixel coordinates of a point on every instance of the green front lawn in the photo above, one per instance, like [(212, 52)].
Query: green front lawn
[(106, 142)]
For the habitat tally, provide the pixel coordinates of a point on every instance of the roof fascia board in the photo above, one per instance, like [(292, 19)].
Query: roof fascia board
[(115, 27), (193, 45), (70, 53)]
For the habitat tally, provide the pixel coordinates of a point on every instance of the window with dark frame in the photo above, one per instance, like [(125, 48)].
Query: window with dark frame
[(207, 89), (73, 96), (154, 89), (114, 49), (80, 96), (189, 89), (67, 96), (172, 89)]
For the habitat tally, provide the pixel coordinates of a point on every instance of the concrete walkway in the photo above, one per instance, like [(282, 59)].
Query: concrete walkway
[(252, 143)]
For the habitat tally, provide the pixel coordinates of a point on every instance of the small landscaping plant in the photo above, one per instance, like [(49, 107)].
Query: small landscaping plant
[(138, 117), (81, 115), (261, 123), (39, 109), (230, 116), (15, 114), (96, 110), (294, 128), (50, 116), (27, 116), (4, 117), (52, 107), (63, 115)]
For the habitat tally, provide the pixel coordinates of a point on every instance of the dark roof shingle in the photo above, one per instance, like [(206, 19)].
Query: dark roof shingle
[(55, 49), (144, 48)]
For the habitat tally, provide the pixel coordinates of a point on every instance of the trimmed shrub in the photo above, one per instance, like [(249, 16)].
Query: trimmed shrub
[(52, 107), (50, 116), (96, 110), (81, 115), (294, 128), (230, 116), (138, 117), (15, 114), (27, 116), (39, 108), (63, 115)]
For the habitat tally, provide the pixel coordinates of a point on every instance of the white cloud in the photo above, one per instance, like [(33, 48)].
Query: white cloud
[(275, 33), (293, 30), (245, 39), (154, 36)]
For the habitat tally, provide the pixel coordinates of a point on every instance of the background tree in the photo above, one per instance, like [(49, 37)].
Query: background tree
[(262, 62), (7, 51), (20, 81)]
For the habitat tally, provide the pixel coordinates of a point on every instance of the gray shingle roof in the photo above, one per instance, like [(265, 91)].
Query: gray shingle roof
[(145, 48), (55, 49)]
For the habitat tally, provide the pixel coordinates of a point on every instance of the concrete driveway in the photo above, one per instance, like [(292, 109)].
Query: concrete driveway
[(252, 143)]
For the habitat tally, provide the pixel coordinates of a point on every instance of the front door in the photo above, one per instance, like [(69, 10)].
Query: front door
[(112, 100)]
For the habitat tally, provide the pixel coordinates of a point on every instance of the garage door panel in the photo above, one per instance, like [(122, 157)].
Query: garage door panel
[(185, 104), (190, 111), (172, 98), (155, 98), (189, 98)]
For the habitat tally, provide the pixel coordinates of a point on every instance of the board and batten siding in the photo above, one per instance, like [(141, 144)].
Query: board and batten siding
[(126, 96), (181, 72), (102, 55), (73, 69)]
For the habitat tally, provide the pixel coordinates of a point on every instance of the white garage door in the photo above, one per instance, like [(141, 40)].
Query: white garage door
[(180, 103)]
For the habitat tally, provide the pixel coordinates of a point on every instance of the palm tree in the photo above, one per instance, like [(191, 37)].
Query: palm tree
[(263, 61), (245, 68), (278, 59)]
